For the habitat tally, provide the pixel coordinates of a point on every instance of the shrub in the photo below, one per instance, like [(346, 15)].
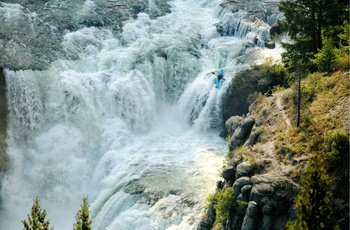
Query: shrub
[(314, 200), (326, 57), (335, 142), (225, 202), (276, 73)]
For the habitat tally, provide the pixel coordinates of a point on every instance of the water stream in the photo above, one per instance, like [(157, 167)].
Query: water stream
[(133, 123)]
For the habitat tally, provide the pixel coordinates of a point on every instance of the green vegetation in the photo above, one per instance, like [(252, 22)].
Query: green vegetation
[(317, 105), (319, 97), (250, 84), (36, 219), (314, 200), (82, 217), (225, 202), (309, 23)]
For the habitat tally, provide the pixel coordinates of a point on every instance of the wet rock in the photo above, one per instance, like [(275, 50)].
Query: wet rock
[(151, 198), (134, 188), (208, 219), (275, 30), (4, 158), (219, 185), (229, 173), (270, 44), (204, 225)]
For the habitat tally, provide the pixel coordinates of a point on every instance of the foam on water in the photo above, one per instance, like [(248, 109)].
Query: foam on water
[(132, 123)]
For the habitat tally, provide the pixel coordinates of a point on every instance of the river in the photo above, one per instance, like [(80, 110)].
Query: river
[(132, 122)]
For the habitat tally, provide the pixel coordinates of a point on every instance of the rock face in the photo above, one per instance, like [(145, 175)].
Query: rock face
[(32, 31), (241, 132), (254, 174)]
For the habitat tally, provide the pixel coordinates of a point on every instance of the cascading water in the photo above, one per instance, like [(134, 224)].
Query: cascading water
[(131, 123)]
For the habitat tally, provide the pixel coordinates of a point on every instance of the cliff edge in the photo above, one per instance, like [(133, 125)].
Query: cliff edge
[(269, 154)]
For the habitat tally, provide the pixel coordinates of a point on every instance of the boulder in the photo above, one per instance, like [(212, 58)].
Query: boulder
[(245, 190), (242, 132), (275, 30), (233, 123), (253, 138), (243, 170), (219, 185), (270, 44), (229, 173), (261, 190), (246, 126), (239, 183)]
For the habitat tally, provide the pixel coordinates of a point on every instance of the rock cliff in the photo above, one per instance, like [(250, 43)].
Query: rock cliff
[(264, 170), (256, 176)]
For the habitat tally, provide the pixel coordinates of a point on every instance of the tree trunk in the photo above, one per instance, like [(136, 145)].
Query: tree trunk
[(299, 95)]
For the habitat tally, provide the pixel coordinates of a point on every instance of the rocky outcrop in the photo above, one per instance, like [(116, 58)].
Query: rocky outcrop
[(263, 192), (242, 130), (32, 31), (269, 198), (247, 17), (270, 44)]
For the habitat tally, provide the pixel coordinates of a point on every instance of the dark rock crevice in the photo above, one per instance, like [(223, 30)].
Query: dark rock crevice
[(4, 159)]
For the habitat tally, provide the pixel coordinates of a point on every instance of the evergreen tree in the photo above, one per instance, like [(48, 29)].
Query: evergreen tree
[(326, 57), (307, 22), (82, 217), (314, 200), (36, 219)]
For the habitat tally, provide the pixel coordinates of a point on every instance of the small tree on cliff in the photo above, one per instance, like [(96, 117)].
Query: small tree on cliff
[(314, 200), (82, 217), (36, 219)]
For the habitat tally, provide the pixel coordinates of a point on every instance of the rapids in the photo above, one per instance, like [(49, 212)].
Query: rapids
[(132, 122)]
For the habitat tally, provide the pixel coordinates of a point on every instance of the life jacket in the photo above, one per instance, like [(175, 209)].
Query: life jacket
[(221, 73)]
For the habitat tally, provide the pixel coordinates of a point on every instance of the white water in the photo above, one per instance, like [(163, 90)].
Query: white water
[(141, 109)]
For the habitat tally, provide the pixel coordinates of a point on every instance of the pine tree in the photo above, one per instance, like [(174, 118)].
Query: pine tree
[(82, 217), (36, 219), (314, 200), (307, 23)]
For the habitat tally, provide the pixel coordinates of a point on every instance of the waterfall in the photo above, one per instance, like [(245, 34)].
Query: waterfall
[(130, 121)]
